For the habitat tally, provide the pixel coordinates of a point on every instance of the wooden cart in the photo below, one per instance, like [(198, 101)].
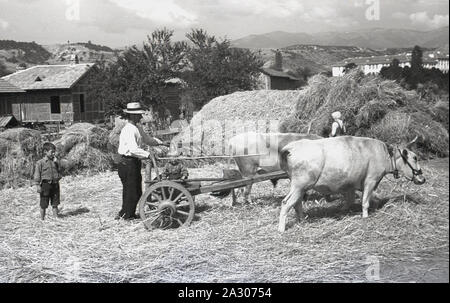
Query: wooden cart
[(170, 204)]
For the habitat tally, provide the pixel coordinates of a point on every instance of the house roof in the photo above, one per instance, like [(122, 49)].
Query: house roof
[(6, 120), (275, 73), (6, 87), (48, 76)]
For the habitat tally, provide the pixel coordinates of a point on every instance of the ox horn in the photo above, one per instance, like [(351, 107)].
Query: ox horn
[(412, 142)]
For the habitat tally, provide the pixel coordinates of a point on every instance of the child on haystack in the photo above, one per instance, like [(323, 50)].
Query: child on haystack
[(47, 174)]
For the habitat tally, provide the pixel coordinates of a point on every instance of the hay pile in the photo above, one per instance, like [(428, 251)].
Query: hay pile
[(224, 244), (224, 116), (19, 149), (370, 107), (84, 146)]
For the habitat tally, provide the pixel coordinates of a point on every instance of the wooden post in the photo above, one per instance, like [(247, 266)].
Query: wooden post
[(148, 173)]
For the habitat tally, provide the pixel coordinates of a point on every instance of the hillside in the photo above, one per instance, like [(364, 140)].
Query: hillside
[(26, 54), (376, 38), (319, 58), (86, 52)]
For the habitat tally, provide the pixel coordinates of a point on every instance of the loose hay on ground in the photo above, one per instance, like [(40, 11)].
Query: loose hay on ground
[(223, 244)]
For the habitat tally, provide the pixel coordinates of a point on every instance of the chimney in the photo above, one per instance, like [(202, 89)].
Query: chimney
[(278, 65), (74, 59)]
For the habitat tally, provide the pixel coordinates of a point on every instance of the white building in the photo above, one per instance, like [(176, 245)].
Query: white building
[(373, 65)]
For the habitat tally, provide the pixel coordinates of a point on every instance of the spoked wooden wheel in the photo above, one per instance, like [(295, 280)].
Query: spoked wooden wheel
[(166, 204)]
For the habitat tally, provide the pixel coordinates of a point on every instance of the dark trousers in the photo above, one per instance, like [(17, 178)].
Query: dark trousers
[(49, 193), (130, 175)]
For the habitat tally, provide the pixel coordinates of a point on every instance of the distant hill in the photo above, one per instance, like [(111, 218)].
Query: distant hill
[(320, 58), (375, 38), (14, 55), (86, 52)]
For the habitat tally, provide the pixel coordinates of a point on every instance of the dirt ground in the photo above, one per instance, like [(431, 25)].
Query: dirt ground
[(405, 238)]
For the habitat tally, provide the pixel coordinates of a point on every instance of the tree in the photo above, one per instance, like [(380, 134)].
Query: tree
[(218, 69), (416, 68), (349, 66), (416, 58), (392, 72), (139, 75), (3, 70)]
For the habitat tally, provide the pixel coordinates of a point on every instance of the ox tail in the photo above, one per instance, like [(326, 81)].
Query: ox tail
[(284, 154)]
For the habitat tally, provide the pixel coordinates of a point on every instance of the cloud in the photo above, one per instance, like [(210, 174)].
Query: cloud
[(276, 9), (400, 16), (4, 24), (422, 18), (160, 12)]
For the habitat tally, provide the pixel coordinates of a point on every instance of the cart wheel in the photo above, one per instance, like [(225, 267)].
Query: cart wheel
[(166, 204)]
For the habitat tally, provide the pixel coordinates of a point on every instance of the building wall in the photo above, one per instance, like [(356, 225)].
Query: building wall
[(172, 99), (443, 65), (93, 109), (35, 106), (375, 68), (6, 101), (279, 83)]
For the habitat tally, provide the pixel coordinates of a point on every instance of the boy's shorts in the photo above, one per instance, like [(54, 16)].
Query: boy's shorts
[(49, 193)]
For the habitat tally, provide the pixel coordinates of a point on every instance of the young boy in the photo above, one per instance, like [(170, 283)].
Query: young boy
[(46, 178), (174, 170)]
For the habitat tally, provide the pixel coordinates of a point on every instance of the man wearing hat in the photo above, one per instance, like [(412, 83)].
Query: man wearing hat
[(130, 140), (338, 127)]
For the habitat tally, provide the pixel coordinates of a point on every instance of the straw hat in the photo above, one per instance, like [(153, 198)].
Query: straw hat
[(134, 108), (336, 115)]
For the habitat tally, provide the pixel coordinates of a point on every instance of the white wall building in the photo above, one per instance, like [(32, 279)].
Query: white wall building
[(373, 65)]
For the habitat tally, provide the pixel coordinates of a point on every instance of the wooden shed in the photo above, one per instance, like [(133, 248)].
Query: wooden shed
[(52, 93), (279, 80)]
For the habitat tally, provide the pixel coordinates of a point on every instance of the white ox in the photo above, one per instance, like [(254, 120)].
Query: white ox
[(265, 147), (342, 165)]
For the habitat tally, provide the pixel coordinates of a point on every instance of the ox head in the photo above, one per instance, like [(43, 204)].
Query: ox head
[(407, 162)]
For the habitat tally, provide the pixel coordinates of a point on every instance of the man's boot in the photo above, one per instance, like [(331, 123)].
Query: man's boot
[(55, 212), (42, 211)]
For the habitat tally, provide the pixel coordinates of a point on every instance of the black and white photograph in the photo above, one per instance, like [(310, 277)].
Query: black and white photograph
[(207, 143)]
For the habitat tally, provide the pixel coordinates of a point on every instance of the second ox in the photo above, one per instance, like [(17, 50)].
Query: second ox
[(259, 152)]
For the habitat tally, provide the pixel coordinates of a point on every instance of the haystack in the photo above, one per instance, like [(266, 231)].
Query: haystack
[(20, 142), (19, 149), (78, 133), (372, 107), (222, 117), (84, 146)]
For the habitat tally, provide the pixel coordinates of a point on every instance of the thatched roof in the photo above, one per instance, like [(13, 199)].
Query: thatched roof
[(48, 76)]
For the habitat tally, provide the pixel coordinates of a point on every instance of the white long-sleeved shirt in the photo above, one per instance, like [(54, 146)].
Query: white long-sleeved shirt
[(131, 139)]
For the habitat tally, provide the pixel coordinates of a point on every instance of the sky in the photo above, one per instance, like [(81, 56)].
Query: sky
[(118, 23)]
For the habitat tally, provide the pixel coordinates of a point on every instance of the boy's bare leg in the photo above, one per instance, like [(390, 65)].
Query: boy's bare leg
[(42, 211), (55, 212)]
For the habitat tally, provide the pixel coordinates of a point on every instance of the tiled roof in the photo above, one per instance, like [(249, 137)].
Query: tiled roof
[(6, 87), (276, 73), (48, 76)]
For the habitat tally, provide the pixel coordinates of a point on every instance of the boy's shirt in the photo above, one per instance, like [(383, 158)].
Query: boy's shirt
[(47, 169)]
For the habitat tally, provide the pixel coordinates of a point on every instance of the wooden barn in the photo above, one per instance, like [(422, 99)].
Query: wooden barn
[(50, 93)]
